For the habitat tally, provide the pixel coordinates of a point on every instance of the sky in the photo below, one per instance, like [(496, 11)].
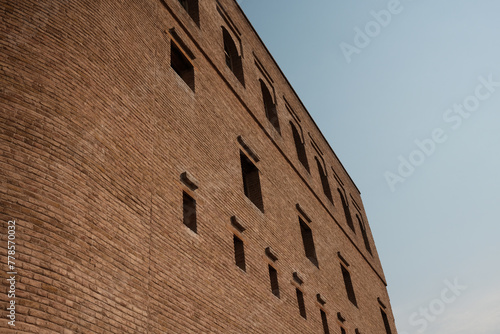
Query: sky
[(408, 95)]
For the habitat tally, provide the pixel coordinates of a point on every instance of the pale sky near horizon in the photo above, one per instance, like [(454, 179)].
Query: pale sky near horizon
[(428, 77)]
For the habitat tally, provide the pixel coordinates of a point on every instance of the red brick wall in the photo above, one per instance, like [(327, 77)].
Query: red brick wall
[(96, 129)]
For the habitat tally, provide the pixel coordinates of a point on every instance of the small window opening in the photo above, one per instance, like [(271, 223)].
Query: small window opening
[(269, 106), (251, 181), (233, 59), (324, 320), (346, 211), (365, 235), (386, 322), (273, 276), (181, 65), (300, 147), (307, 239), (300, 301), (239, 253), (324, 181), (348, 286), (189, 212), (191, 7)]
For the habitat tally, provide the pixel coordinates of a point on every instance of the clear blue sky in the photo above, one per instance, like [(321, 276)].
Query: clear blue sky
[(416, 80)]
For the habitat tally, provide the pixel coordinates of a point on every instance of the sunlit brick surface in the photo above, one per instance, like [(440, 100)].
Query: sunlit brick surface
[(96, 129)]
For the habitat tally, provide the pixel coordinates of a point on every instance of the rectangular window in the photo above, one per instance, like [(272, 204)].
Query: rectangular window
[(324, 320), (273, 276), (239, 253), (181, 65), (307, 239), (299, 147), (300, 301), (269, 106), (232, 56), (251, 181), (386, 322), (324, 180), (189, 211), (348, 285), (347, 212), (191, 7), (365, 235)]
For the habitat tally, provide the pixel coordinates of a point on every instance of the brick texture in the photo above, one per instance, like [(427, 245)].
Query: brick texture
[(96, 129)]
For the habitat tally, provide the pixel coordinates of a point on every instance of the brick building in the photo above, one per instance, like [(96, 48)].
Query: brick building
[(165, 178)]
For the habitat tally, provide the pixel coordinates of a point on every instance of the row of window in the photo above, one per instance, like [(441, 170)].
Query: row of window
[(189, 213), (233, 61), (252, 189), (251, 186), (189, 208), (302, 157), (183, 67), (251, 181), (185, 70)]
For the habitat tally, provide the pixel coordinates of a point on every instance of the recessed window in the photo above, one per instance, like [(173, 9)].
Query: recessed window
[(342, 330), (348, 285), (300, 147), (189, 211), (191, 7), (273, 276), (181, 65), (251, 181), (269, 106), (324, 181), (239, 253), (347, 213), (365, 234), (386, 322), (324, 321), (308, 241), (233, 59), (300, 302)]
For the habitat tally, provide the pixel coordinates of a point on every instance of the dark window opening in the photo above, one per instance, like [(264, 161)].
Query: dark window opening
[(233, 59), (324, 181), (386, 322), (251, 182), (181, 65), (307, 239), (348, 286), (191, 7), (239, 253), (273, 276), (346, 211), (365, 235), (269, 106), (342, 330), (300, 301), (300, 147), (324, 320), (189, 212)]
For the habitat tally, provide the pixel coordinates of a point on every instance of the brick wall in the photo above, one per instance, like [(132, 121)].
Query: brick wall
[(97, 128)]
